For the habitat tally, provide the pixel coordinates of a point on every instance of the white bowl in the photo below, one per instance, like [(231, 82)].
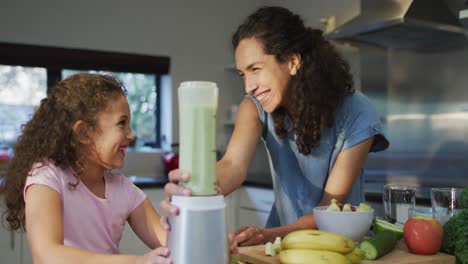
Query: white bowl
[(354, 225)]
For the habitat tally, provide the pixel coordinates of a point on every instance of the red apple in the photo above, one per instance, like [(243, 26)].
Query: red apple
[(423, 235)]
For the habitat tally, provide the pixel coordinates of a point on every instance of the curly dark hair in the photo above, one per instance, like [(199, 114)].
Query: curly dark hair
[(49, 136), (323, 79)]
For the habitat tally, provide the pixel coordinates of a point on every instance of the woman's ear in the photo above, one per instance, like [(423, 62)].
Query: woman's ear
[(294, 63), (80, 132)]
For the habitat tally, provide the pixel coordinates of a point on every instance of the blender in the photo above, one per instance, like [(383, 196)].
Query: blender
[(198, 234)]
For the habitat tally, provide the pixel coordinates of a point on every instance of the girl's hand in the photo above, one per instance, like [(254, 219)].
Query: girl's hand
[(172, 188), (157, 256)]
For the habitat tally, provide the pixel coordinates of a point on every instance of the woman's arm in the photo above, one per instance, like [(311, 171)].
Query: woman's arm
[(232, 169), (346, 170), (145, 222), (44, 227)]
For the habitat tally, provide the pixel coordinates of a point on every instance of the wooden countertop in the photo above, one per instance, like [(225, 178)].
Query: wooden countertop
[(400, 255)]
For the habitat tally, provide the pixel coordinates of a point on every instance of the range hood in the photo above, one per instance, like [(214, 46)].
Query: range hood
[(404, 24)]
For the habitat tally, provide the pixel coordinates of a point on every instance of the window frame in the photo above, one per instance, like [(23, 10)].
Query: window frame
[(55, 59)]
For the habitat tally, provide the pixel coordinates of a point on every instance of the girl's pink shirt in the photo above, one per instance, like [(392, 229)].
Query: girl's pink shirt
[(90, 222)]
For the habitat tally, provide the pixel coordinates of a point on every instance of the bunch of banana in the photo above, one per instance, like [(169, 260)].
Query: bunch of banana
[(319, 240), (314, 246), (308, 256)]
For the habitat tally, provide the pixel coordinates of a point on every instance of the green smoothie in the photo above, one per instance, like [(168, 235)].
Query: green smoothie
[(197, 147)]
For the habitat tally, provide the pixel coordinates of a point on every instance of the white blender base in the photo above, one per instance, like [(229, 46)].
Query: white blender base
[(199, 234)]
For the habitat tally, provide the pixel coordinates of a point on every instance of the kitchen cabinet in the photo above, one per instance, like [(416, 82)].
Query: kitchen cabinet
[(254, 206), (130, 242), (232, 211), (26, 257), (11, 244)]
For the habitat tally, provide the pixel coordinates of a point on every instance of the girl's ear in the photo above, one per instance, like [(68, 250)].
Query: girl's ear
[(80, 131), (294, 63)]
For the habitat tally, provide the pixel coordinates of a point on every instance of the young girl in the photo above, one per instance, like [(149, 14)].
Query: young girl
[(59, 187)]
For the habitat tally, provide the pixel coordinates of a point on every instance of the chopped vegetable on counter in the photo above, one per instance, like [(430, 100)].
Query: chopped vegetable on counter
[(379, 245), (273, 249), (269, 251), (381, 225), (277, 245)]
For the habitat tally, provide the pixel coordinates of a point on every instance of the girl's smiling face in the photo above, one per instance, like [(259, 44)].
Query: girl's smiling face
[(264, 77), (112, 135)]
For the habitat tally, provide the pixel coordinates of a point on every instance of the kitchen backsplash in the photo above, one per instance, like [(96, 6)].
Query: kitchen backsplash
[(423, 103)]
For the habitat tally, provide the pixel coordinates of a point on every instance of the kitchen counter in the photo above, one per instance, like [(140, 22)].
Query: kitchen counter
[(159, 182), (400, 255), (258, 184), (143, 182)]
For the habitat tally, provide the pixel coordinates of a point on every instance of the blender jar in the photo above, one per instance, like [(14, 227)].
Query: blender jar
[(198, 102)]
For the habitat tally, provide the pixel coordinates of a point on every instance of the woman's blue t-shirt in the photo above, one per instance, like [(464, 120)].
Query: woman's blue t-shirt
[(299, 180)]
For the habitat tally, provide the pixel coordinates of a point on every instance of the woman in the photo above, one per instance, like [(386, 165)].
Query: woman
[(301, 102)]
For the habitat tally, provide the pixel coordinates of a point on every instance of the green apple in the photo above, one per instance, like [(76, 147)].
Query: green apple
[(347, 208), (363, 207), (333, 207)]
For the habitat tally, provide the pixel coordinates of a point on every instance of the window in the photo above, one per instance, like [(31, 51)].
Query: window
[(21, 90), (30, 71)]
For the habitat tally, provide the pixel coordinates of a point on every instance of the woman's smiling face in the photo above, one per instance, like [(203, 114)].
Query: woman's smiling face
[(264, 77)]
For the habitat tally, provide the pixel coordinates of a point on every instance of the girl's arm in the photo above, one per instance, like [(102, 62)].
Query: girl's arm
[(145, 222), (346, 170), (44, 228)]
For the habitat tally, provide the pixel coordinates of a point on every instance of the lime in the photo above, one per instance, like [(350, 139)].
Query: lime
[(381, 225)]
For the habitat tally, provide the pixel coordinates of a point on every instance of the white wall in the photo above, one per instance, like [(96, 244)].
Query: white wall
[(194, 34), (313, 10)]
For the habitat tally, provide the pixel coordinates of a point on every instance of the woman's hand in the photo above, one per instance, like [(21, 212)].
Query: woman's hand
[(172, 188), (247, 236), (233, 248), (157, 256)]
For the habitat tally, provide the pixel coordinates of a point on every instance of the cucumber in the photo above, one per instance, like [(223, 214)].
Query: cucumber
[(269, 251), (379, 245), (277, 245)]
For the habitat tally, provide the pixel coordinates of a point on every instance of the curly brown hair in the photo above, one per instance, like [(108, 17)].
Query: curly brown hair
[(323, 79), (49, 135)]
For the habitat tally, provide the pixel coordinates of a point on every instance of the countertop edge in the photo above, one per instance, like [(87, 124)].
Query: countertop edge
[(160, 182)]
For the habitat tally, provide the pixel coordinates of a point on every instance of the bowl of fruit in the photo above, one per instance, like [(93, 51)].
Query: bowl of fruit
[(345, 219)]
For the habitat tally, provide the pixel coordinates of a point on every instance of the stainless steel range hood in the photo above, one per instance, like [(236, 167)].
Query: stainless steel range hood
[(404, 24)]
